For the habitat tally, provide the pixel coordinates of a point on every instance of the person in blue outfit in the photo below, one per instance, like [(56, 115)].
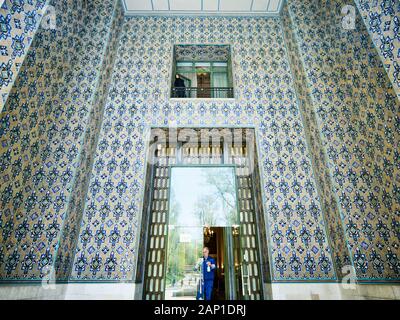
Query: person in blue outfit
[(207, 267)]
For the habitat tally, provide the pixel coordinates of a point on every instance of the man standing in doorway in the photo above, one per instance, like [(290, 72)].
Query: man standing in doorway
[(208, 272)]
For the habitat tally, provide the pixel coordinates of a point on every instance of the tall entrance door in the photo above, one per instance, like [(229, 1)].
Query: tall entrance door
[(202, 213), (222, 216)]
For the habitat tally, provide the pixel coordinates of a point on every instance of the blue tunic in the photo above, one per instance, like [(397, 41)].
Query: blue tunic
[(208, 279), (208, 276)]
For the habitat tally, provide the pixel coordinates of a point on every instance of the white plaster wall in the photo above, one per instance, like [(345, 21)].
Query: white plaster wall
[(129, 291), (334, 291), (71, 291)]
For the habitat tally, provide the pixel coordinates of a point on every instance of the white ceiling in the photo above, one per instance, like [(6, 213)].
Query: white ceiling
[(203, 7)]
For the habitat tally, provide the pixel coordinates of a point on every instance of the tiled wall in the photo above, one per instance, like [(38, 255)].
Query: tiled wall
[(19, 21), (73, 139), (382, 18), (139, 99), (108, 38), (319, 157), (357, 126), (48, 130)]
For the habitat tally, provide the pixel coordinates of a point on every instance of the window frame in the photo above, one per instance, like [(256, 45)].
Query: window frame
[(229, 70), (212, 72)]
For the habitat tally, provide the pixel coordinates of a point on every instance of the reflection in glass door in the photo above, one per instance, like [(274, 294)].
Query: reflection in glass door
[(202, 213), (184, 249)]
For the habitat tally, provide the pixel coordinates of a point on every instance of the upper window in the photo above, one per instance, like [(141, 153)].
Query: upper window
[(202, 71)]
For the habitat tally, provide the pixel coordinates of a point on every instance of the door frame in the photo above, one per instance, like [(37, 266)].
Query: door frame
[(263, 250)]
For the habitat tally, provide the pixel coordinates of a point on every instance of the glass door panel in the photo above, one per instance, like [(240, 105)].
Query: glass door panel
[(184, 250), (203, 196), (203, 212)]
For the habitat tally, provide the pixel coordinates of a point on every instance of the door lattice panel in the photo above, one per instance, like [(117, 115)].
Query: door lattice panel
[(155, 269), (249, 250)]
